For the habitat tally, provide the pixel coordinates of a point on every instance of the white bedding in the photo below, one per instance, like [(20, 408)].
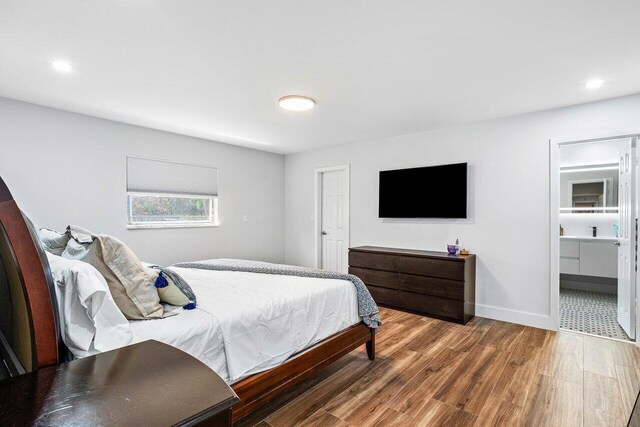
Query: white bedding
[(195, 332), (90, 320), (250, 322)]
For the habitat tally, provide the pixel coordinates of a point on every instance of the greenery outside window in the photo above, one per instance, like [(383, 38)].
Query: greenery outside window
[(167, 209)]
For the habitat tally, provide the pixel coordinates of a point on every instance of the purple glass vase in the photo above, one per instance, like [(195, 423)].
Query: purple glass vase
[(452, 249)]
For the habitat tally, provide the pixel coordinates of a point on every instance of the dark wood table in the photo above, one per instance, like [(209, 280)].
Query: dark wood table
[(145, 384)]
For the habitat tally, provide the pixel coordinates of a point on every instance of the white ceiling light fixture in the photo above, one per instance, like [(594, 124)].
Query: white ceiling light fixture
[(594, 84), (296, 103), (62, 66)]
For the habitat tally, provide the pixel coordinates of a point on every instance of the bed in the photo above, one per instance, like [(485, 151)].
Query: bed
[(270, 334), (254, 321)]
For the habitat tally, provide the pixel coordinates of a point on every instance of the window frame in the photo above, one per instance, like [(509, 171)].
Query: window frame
[(213, 212)]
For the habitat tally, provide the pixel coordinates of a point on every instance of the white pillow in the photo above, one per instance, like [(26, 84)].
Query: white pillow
[(53, 241), (90, 321)]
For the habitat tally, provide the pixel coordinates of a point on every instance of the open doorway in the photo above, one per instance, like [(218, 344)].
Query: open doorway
[(597, 219)]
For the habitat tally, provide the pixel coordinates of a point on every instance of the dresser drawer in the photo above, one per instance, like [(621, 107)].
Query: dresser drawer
[(431, 286), (453, 270), (384, 296), (383, 279), (374, 261), (431, 305)]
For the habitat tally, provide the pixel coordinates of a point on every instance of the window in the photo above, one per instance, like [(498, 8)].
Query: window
[(158, 209), (166, 194)]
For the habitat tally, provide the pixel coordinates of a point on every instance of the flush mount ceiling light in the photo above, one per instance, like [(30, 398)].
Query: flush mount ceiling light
[(296, 103), (594, 84), (62, 66)]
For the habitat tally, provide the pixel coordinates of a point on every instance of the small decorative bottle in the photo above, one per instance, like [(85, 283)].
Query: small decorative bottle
[(453, 249)]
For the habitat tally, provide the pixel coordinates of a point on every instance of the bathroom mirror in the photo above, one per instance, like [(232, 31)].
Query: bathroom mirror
[(589, 188)]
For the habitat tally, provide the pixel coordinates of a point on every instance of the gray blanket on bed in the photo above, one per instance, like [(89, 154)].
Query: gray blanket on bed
[(367, 308)]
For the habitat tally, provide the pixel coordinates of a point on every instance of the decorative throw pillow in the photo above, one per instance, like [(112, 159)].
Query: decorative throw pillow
[(172, 288), (52, 241), (131, 287)]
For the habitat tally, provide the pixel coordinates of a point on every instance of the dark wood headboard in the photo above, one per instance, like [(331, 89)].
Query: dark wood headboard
[(29, 331)]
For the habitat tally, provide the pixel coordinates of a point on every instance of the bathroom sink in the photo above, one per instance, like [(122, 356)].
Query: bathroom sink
[(599, 238)]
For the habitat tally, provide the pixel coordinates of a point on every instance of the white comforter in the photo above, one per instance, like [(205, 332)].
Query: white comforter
[(250, 322)]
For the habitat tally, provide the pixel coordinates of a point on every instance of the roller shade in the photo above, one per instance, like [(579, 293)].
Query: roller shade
[(159, 176)]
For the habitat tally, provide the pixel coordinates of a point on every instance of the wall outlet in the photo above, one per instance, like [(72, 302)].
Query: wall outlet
[(245, 218)]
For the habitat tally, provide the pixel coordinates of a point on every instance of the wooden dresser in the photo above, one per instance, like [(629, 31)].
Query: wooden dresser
[(433, 284)]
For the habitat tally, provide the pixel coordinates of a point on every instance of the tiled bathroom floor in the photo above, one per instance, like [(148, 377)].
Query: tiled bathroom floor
[(590, 312)]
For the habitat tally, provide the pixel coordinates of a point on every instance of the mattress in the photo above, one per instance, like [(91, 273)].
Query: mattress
[(250, 322)]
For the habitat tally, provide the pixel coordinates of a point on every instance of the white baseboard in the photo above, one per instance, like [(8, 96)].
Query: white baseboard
[(521, 317)]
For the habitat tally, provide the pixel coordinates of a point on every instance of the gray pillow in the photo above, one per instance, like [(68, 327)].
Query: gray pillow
[(131, 287), (172, 288), (52, 241)]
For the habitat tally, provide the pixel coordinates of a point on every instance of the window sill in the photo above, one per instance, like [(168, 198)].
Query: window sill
[(159, 226)]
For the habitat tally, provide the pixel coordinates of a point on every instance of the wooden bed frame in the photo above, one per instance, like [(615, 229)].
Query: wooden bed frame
[(30, 338)]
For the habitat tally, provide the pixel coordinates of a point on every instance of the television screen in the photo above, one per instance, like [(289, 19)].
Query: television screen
[(427, 192)]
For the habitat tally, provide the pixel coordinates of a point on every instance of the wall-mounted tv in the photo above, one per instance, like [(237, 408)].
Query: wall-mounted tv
[(426, 192)]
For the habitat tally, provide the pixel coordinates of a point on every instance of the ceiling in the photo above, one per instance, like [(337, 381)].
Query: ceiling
[(378, 68)]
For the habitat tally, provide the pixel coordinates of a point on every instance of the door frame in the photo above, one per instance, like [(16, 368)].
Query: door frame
[(554, 224), (317, 226)]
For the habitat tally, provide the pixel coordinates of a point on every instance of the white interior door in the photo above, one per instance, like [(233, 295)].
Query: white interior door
[(627, 240), (334, 220)]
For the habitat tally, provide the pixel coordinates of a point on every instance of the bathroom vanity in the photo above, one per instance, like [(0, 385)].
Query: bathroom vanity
[(589, 256)]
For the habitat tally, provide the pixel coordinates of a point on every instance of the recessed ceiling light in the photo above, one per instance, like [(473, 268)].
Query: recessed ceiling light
[(594, 83), (62, 66), (296, 103)]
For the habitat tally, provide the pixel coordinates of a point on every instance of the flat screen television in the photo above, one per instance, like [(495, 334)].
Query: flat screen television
[(426, 192)]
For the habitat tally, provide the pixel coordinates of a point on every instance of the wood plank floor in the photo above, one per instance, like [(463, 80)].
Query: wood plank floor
[(487, 373)]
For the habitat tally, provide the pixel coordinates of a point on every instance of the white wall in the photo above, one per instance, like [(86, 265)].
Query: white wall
[(65, 168), (508, 224)]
